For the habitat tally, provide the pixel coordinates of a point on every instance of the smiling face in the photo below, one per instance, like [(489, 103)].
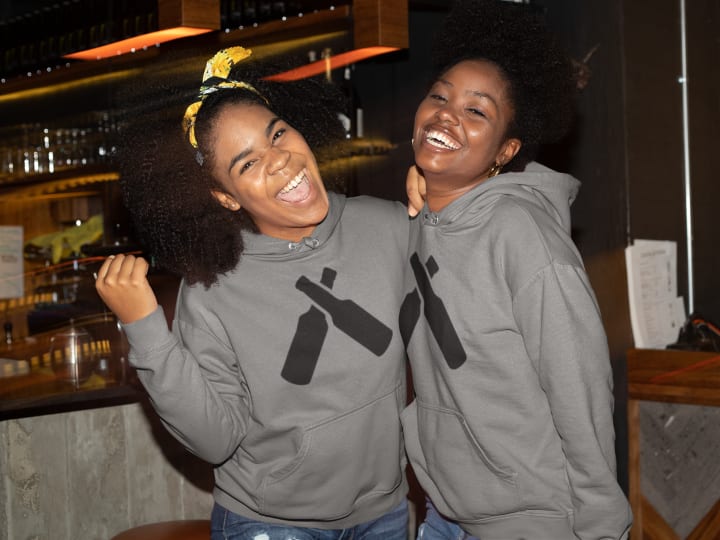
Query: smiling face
[(460, 130), (266, 167)]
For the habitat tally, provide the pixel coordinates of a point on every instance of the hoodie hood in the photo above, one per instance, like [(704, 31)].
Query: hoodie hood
[(541, 186), (268, 247)]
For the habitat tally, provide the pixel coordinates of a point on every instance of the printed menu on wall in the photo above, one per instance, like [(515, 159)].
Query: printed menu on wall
[(11, 262), (657, 313)]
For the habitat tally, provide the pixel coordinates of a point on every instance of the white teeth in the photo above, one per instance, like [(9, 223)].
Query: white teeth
[(295, 182), (439, 139)]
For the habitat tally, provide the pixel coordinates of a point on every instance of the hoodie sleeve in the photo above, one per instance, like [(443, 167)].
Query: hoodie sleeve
[(563, 333), (197, 393)]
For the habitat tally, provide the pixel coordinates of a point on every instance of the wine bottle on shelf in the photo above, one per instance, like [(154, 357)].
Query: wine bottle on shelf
[(42, 33), (140, 25), (278, 9), (224, 14), (236, 13), (292, 7), (65, 37), (79, 34), (92, 22), (106, 23), (5, 44), (310, 6), (27, 48), (249, 12), (326, 55), (54, 23), (122, 15), (353, 114), (8, 328), (264, 10)]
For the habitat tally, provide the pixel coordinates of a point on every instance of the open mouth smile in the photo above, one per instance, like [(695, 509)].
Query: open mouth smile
[(438, 139), (296, 190)]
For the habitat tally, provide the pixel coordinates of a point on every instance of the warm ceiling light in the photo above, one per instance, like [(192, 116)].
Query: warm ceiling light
[(321, 66), (176, 19), (137, 43), (378, 28)]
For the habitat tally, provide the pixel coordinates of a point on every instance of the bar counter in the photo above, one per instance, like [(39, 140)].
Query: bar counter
[(32, 382)]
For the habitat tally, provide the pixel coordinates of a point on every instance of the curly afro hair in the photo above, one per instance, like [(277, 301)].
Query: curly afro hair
[(179, 223), (539, 74)]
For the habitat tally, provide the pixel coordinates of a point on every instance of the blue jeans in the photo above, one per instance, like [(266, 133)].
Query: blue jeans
[(226, 525), (436, 527)]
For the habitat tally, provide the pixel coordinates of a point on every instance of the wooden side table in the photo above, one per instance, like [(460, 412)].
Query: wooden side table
[(677, 377)]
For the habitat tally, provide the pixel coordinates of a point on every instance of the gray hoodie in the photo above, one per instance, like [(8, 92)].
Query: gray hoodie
[(289, 374), (511, 432)]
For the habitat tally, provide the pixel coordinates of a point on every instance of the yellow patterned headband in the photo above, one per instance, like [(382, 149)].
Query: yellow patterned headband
[(215, 77)]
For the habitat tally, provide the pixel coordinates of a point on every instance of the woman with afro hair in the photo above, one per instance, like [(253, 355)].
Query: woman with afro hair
[(284, 367), (511, 430)]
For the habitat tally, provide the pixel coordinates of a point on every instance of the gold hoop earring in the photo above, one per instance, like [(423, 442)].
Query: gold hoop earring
[(495, 169)]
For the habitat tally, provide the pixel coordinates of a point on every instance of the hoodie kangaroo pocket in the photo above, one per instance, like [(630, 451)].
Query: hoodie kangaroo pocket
[(471, 484), (339, 463)]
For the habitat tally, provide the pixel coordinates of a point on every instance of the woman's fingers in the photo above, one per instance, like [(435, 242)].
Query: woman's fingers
[(122, 269), (139, 269), (415, 187), (104, 268)]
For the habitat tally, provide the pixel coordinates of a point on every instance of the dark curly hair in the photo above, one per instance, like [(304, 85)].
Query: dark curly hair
[(178, 222), (539, 74)]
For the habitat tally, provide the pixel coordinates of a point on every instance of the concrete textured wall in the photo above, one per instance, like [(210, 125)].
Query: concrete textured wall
[(88, 475), (679, 467)]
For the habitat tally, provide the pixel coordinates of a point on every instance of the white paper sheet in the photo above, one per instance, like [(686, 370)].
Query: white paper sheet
[(656, 312)]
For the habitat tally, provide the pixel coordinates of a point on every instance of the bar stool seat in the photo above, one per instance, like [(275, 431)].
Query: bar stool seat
[(188, 529)]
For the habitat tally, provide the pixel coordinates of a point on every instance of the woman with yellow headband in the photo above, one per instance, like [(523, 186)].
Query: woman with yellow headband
[(284, 366)]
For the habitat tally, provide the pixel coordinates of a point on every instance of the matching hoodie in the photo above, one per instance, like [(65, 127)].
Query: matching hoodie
[(511, 430), (289, 374)]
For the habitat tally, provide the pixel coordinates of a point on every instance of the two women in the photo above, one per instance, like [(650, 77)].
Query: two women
[(511, 430)]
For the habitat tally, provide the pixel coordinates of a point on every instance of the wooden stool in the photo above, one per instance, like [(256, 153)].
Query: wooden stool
[(198, 529)]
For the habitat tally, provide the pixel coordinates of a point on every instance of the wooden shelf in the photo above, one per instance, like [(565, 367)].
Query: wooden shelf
[(272, 31), (39, 185)]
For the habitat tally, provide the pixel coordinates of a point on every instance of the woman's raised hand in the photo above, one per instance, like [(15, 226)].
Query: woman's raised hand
[(123, 285), (415, 187)]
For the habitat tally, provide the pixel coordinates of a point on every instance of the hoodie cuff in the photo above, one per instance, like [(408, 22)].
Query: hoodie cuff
[(147, 334)]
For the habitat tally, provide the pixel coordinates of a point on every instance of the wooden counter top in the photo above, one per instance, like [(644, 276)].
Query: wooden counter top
[(42, 393), (31, 387), (674, 376)]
